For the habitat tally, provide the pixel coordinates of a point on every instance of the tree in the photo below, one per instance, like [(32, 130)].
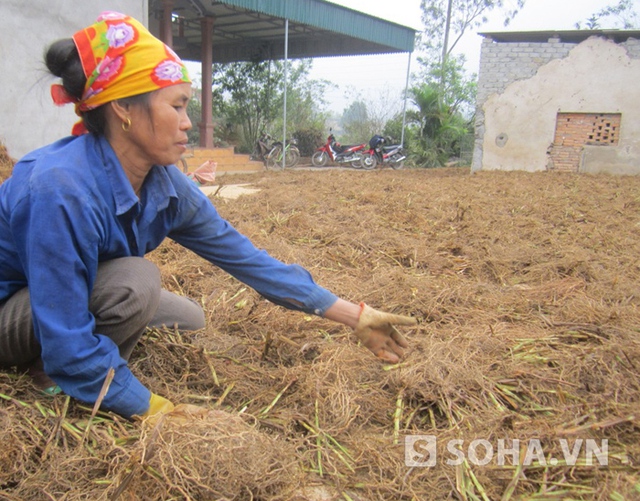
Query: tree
[(621, 15), (244, 94), (440, 124), (194, 110), (249, 99), (368, 113), (436, 128), (457, 89), (355, 122), (305, 104), (460, 16), (439, 39)]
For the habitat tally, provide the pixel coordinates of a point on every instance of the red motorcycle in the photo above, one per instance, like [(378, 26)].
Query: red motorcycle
[(340, 154), (378, 154)]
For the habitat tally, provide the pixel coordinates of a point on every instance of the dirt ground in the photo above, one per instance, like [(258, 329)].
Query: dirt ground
[(523, 373)]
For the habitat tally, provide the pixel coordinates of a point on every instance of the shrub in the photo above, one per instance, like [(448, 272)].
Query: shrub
[(308, 140)]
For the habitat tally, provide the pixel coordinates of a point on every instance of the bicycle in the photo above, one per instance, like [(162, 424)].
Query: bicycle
[(291, 153)]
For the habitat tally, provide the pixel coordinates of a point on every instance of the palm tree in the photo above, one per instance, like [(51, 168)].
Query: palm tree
[(437, 126)]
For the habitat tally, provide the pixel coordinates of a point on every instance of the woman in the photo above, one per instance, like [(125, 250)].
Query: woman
[(77, 217)]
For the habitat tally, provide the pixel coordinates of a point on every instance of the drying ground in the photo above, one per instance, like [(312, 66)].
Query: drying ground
[(527, 352)]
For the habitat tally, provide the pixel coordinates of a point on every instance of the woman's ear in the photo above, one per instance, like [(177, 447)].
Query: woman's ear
[(121, 109)]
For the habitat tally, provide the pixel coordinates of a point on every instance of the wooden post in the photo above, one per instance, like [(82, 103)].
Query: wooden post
[(166, 32), (206, 125)]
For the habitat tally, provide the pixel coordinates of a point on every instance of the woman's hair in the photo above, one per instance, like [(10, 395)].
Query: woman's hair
[(63, 61)]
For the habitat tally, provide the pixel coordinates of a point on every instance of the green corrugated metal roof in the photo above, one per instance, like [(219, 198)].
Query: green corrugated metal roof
[(254, 29), (336, 18)]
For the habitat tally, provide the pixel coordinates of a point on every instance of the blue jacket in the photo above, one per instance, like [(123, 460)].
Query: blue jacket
[(69, 206)]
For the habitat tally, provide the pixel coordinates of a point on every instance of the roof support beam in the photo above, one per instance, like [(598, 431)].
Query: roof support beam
[(286, 76), (406, 95)]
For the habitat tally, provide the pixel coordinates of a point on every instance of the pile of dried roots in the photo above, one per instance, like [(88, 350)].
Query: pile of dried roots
[(526, 357)]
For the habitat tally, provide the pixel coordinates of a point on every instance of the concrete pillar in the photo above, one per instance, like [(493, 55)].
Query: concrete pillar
[(166, 33), (206, 125)]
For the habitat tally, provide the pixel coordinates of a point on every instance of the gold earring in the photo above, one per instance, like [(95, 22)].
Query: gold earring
[(126, 125)]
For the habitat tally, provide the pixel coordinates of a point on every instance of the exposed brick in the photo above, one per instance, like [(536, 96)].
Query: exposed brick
[(574, 130)]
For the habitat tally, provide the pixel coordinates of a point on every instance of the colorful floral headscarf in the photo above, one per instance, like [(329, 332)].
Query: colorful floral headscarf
[(120, 58)]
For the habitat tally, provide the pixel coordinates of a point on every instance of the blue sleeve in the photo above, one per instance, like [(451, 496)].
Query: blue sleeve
[(205, 232), (58, 233)]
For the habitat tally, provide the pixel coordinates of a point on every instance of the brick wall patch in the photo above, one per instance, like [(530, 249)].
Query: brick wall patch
[(574, 130)]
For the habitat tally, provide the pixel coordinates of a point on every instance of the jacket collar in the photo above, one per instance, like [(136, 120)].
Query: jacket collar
[(157, 190)]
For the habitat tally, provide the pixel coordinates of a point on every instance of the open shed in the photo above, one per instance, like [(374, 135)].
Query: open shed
[(227, 31), (208, 31), (246, 30)]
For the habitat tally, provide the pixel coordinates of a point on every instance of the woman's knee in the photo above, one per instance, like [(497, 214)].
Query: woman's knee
[(126, 288), (178, 312)]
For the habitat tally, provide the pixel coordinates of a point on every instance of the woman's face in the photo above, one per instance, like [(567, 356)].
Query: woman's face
[(159, 132)]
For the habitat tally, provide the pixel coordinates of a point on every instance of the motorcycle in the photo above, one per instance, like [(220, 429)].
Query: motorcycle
[(379, 154), (340, 154)]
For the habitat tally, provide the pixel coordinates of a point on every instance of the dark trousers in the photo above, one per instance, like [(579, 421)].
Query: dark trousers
[(126, 299)]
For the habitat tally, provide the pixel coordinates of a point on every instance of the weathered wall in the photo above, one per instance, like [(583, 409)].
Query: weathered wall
[(28, 118), (504, 63), (518, 104)]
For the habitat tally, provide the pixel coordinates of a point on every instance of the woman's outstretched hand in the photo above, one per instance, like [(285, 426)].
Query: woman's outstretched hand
[(376, 330)]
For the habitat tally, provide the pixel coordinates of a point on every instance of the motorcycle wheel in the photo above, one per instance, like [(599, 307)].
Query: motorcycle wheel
[(291, 156), (397, 165), (319, 159), (368, 161), (357, 164)]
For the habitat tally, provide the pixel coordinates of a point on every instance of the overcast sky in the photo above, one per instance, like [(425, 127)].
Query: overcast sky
[(372, 75)]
